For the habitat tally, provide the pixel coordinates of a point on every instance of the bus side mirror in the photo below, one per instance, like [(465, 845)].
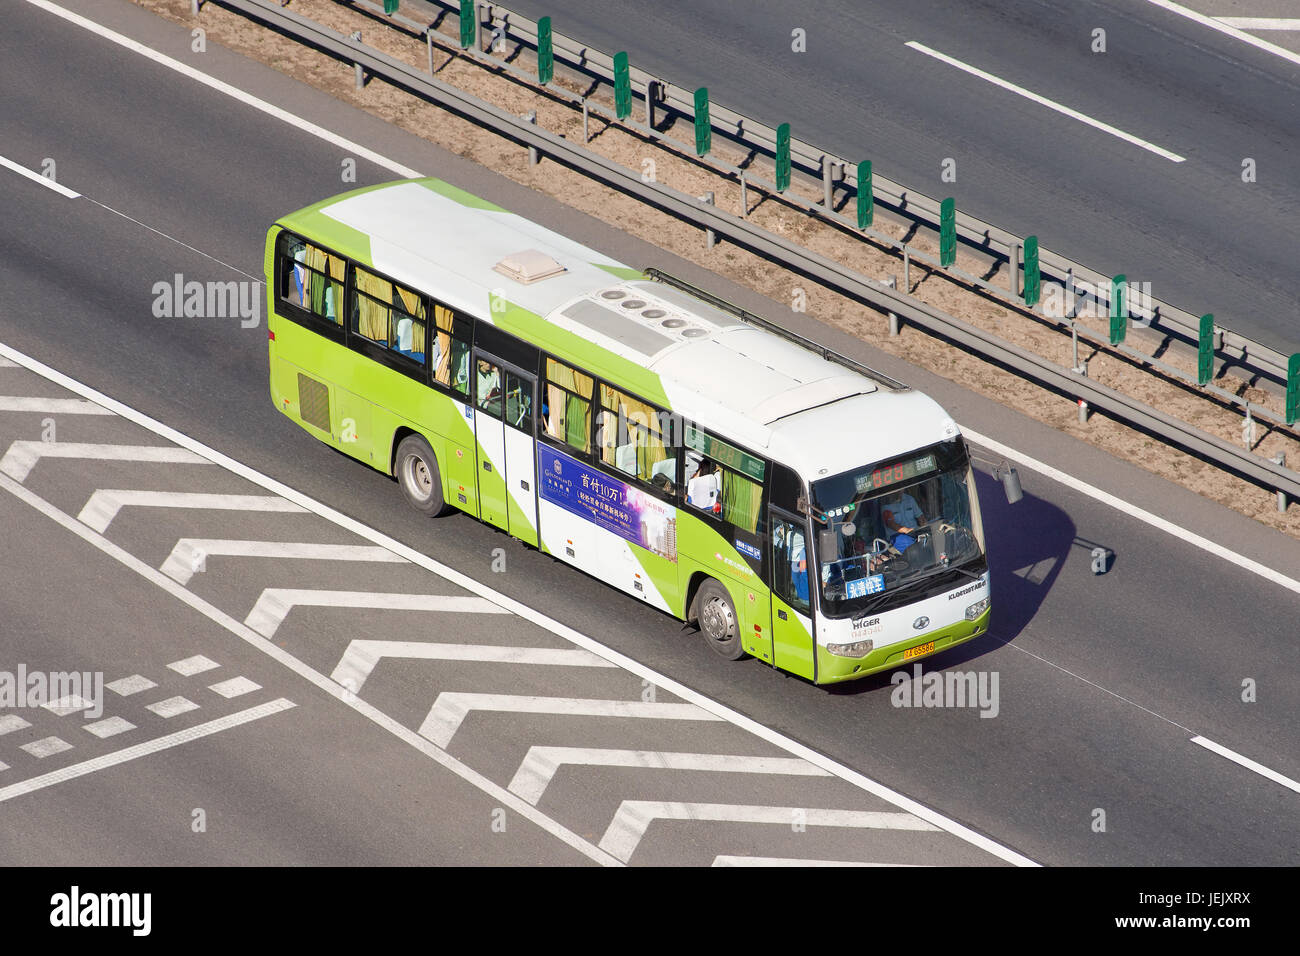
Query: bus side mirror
[(1006, 473)]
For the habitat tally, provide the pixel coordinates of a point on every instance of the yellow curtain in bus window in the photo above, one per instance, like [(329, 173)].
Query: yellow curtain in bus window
[(326, 292), (374, 297)]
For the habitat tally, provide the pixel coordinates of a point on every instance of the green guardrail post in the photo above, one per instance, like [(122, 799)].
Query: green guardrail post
[(622, 87), (783, 157), (390, 6), (1293, 389), (1119, 309), (703, 128), (545, 52), (468, 28), (1205, 351), (947, 232), (1033, 274), (866, 195)]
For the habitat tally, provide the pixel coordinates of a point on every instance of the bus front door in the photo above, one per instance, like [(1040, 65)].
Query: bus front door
[(521, 456), (792, 625), (489, 432)]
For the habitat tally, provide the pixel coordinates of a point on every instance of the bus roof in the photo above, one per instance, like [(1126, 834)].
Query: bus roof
[(787, 401)]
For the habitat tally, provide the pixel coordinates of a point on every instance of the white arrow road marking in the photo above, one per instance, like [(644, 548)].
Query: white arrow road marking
[(541, 763), (361, 656), (105, 503), (635, 816), (189, 553), (275, 604), (22, 456), (451, 709), (782, 861), (141, 750), (55, 406)]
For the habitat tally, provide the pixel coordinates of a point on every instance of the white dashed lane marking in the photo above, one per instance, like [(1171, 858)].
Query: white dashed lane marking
[(11, 722), (47, 747), (172, 706), (235, 687), (109, 727), (127, 686), (192, 665), (67, 705)]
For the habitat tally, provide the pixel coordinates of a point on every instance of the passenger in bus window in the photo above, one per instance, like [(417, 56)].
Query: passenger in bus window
[(704, 491)]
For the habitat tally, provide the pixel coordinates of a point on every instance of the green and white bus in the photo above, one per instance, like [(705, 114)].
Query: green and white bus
[(795, 505)]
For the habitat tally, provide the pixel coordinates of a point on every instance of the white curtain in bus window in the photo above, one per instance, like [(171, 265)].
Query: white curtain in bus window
[(408, 329)]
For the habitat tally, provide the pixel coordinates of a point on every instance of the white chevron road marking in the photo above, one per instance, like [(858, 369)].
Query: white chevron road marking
[(361, 656), (450, 710), (22, 456), (274, 604), (541, 763), (53, 406), (635, 816), (190, 554), (104, 504)]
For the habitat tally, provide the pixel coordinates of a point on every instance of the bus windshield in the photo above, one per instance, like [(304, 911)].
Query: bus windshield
[(888, 526)]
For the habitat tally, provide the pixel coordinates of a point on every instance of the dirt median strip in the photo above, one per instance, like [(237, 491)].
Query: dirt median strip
[(1017, 325)]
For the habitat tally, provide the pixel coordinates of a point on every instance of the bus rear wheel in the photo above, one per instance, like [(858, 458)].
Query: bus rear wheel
[(716, 616), (417, 472)]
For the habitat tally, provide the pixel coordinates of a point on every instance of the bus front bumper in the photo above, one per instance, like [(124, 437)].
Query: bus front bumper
[(832, 669)]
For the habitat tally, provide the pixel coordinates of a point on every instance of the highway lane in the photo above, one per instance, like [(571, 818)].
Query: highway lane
[(1205, 240), (1060, 747)]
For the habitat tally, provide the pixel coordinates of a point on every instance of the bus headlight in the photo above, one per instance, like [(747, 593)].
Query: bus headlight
[(856, 649), (976, 609)]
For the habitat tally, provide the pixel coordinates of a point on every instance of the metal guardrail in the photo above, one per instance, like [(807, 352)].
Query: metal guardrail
[(1234, 349), (832, 274)]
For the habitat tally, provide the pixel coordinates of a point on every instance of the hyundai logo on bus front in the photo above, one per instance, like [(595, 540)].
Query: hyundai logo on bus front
[(920, 622), (208, 300)]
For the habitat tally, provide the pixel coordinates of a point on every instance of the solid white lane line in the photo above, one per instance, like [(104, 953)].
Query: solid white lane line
[(54, 406), (190, 554), (1227, 29), (635, 816), (38, 178), (102, 507), (503, 796), (274, 604), (361, 657), (351, 147), (1261, 23), (1133, 511), (1050, 104), (23, 455), (782, 861), (541, 763), (1246, 762), (449, 710), (144, 749)]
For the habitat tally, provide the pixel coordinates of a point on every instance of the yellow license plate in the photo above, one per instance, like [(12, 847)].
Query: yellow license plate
[(918, 651)]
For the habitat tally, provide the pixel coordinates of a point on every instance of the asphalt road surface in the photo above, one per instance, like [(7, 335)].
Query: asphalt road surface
[(1104, 680)]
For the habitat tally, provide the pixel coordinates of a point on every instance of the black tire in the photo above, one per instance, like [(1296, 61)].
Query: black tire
[(416, 469), (715, 615)]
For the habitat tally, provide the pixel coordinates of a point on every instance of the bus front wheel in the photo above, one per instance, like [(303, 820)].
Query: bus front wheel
[(717, 620), (417, 473)]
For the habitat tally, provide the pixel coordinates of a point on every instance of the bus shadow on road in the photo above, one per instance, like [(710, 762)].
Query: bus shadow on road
[(1028, 544)]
